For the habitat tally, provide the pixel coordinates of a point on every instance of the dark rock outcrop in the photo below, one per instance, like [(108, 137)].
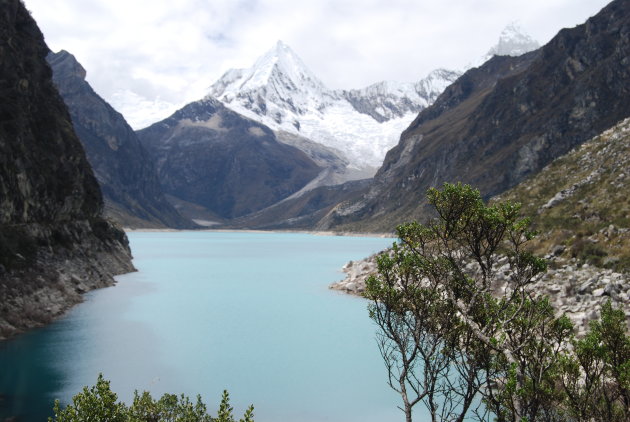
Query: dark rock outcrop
[(504, 121), (209, 155), (54, 243), (127, 177)]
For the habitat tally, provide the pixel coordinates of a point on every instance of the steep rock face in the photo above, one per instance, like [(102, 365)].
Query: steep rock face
[(54, 244), (212, 156), (126, 175), (505, 121)]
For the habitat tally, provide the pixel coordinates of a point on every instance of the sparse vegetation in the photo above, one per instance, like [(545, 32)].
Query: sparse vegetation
[(468, 346), (100, 403), (580, 201)]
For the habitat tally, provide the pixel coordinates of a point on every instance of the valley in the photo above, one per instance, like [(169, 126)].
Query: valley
[(205, 220)]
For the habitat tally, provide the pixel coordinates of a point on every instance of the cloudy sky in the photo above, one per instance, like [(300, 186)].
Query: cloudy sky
[(147, 57)]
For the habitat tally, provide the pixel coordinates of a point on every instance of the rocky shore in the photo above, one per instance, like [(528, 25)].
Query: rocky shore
[(55, 278), (577, 290), (54, 242)]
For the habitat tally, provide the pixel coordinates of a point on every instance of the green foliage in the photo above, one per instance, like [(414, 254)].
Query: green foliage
[(225, 411), (470, 344), (596, 373), (99, 404), (169, 407)]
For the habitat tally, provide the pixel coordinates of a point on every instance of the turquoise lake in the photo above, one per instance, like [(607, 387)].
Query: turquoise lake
[(208, 311)]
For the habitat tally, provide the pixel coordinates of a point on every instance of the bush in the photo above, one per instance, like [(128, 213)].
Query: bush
[(99, 403), (469, 343)]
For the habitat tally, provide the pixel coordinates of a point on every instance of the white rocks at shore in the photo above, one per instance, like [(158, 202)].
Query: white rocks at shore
[(357, 273), (575, 290)]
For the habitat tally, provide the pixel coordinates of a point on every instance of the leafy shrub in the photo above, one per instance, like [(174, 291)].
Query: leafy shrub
[(99, 403)]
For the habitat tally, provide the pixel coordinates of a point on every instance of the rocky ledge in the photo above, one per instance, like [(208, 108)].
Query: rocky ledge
[(88, 256), (577, 290)]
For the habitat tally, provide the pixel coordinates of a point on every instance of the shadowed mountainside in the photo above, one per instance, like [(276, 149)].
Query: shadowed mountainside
[(301, 211), (503, 122), (54, 242), (127, 177), (211, 156)]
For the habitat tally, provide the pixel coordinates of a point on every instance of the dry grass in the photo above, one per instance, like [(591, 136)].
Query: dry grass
[(592, 219)]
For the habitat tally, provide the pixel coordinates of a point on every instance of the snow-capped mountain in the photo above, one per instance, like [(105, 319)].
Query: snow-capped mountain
[(388, 100), (282, 93), (513, 41), (279, 78)]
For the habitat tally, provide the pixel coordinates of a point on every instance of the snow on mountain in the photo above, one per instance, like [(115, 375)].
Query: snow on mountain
[(280, 78), (513, 41), (282, 93), (389, 100)]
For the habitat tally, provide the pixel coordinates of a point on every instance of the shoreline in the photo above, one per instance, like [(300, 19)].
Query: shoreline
[(311, 232), (574, 289), (74, 281), (55, 280)]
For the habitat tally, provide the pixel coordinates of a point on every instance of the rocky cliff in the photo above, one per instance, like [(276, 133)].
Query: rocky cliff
[(127, 177), (504, 121), (54, 242), (211, 156)]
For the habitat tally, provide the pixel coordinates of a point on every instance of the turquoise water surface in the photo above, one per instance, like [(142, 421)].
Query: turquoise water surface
[(207, 311)]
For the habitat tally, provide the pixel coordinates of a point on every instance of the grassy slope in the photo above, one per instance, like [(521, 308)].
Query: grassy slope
[(590, 216)]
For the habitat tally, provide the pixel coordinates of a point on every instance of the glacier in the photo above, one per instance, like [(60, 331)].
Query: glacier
[(282, 93)]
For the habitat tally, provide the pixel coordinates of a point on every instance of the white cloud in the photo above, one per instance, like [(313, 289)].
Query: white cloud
[(174, 50)]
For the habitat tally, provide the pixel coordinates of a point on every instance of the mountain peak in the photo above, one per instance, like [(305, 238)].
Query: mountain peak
[(282, 46), (281, 59), (513, 41), (280, 72), (67, 63), (362, 124), (278, 87)]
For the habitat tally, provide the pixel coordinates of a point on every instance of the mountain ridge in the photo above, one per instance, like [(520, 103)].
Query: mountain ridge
[(281, 92), (504, 121), (206, 154), (128, 180)]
